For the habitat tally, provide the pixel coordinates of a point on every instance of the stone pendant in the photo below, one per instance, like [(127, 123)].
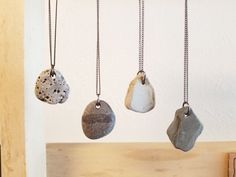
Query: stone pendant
[(51, 87), (141, 95), (98, 120), (185, 129)]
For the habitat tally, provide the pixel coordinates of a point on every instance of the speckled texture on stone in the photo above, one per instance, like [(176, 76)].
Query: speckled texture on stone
[(140, 97), (98, 123), (51, 89), (184, 130)]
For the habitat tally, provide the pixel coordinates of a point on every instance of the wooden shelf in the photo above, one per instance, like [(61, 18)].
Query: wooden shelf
[(138, 160)]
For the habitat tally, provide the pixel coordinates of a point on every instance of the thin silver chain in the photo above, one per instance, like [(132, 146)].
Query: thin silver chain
[(52, 53), (98, 70), (141, 35), (186, 54)]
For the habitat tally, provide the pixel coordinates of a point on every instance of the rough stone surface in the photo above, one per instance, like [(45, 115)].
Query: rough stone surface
[(51, 89), (98, 122), (140, 97), (185, 129)]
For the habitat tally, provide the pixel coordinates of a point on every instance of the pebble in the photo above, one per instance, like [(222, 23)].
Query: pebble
[(98, 122), (185, 129), (140, 96), (51, 89)]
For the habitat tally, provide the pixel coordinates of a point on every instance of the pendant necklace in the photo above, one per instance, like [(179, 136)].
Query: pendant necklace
[(51, 86), (140, 96), (186, 127), (98, 119)]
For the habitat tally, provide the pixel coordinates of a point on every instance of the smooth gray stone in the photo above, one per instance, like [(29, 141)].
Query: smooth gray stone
[(185, 129), (98, 122), (51, 89)]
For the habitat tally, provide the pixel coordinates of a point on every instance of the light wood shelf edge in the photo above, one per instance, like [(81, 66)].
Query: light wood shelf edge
[(138, 160)]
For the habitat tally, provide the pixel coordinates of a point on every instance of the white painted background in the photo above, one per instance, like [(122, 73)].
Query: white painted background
[(212, 66), (34, 115)]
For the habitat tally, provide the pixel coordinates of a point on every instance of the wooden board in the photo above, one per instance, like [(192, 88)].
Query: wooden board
[(138, 160), (232, 164), (12, 88)]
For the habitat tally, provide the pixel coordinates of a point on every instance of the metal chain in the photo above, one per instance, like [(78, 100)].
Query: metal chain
[(186, 54), (141, 35), (98, 70), (52, 53)]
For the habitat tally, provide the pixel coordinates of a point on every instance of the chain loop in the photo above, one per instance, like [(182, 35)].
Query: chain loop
[(52, 53), (98, 70), (186, 54), (141, 35)]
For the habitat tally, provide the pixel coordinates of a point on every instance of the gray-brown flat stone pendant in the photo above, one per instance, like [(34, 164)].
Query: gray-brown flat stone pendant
[(185, 129), (98, 122), (50, 88), (140, 96)]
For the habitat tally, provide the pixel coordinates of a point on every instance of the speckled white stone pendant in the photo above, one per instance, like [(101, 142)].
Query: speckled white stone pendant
[(185, 129), (140, 96), (98, 120), (51, 87)]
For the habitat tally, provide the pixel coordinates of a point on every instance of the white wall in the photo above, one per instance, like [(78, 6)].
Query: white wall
[(212, 66), (34, 116)]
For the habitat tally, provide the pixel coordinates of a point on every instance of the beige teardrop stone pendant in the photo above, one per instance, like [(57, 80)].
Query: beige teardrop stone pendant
[(185, 129), (140, 96), (98, 120), (51, 87)]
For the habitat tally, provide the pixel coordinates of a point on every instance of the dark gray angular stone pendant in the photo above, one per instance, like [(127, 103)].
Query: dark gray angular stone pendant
[(52, 87), (185, 129), (98, 122)]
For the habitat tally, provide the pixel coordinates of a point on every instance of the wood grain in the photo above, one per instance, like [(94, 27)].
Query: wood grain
[(138, 160), (12, 88), (232, 165)]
